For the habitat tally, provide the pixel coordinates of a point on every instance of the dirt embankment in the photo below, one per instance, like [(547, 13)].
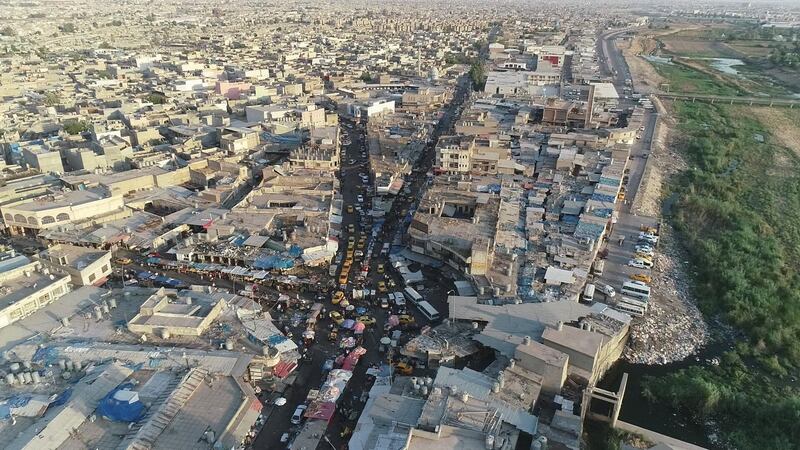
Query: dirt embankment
[(673, 328), (645, 78)]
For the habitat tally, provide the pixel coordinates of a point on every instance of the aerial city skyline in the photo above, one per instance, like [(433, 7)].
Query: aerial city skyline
[(399, 225)]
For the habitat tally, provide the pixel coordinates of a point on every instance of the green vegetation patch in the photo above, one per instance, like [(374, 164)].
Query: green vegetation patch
[(685, 80), (738, 211)]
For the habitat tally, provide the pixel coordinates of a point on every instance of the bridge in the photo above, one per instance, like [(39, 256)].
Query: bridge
[(751, 101)]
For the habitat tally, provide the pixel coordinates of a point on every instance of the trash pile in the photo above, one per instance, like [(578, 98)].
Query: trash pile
[(673, 327)]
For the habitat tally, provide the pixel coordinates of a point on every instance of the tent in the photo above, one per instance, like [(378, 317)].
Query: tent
[(122, 405)]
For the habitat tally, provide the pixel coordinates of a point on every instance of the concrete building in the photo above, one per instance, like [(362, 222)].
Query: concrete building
[(43, 159), (170, 312), (61, 208), (27, 287), (238, 140), (454, 153), (85, 266)]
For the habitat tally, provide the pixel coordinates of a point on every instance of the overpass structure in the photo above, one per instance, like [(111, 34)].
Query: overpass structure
[(751, 101)]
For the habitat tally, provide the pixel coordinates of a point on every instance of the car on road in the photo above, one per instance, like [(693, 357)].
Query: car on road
[(351, 228), (360, 198), (338, 296), (343, 278), (297, 417), (123, 261), (336, 317), (382, 287), (384, 303), (406, 319), (643, 277), (350, 209), (366, 320)]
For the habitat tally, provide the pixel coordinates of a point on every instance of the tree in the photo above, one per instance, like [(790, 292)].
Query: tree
[(366, 77), (105, 45), (8, 31), (74, 128), (477, 73), (67, 28), (156, 98)]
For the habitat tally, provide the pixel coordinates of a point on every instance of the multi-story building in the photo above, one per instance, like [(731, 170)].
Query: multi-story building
[(454, 153), (86, 266), (27, 287), (52, 210)]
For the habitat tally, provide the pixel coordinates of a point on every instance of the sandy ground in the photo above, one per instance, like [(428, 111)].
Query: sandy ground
[(645, 78)]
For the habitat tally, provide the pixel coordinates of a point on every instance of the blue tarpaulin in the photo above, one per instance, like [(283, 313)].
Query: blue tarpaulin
[(45, 355), (238, 241), (273, 262), (295, 251), (62, 398), (122, 405)]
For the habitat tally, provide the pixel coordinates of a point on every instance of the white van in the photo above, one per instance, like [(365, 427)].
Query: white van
[(588, 292)]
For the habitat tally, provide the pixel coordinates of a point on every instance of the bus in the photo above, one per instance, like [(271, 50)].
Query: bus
[(428, 310), (630, 309), (412, 295), (588, 293), (636, 289), (642, 303)]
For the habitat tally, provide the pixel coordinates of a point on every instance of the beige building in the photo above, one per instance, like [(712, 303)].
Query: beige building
[(453, 154), (86, 266), (26, 287), (56, 209), (170, 312), (238, 140)]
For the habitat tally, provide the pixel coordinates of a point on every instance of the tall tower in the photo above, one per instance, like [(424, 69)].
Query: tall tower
[(419, 62)]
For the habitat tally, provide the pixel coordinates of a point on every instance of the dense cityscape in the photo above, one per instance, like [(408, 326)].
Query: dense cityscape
[(512, 225)]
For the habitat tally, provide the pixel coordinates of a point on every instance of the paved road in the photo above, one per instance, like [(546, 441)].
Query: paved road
[(309, 373), (628, 225)]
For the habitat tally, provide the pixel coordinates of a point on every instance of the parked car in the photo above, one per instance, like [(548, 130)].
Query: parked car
[(643, 277), (297, 417), (644, 253), (606, 289), (637, 263)]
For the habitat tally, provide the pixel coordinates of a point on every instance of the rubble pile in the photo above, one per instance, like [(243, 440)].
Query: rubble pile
[(673, 327)]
